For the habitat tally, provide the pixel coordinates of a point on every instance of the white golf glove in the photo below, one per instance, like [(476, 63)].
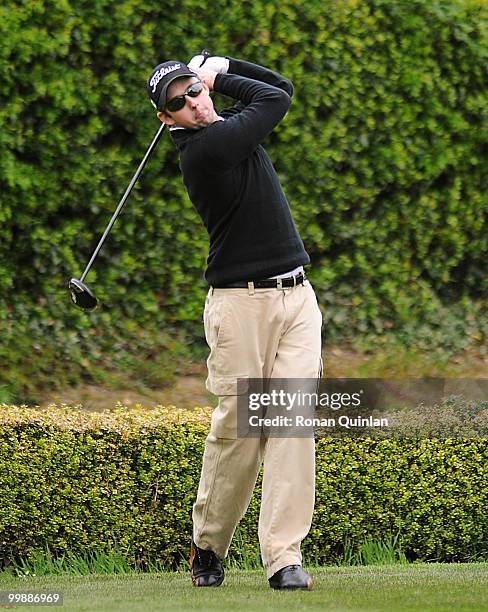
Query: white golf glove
[(214, 63)]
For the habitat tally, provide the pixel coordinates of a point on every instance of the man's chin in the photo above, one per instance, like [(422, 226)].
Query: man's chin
[(203, 122), (198, 124)]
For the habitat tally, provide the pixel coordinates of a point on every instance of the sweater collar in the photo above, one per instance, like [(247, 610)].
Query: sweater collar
[(180, 135)]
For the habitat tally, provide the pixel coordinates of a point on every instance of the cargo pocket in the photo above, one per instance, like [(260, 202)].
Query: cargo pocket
[(213, 318), (231, 391)]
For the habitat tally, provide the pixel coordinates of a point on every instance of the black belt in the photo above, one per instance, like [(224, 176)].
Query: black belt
[(268, 283)]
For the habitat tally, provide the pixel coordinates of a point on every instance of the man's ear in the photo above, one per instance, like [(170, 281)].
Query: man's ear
[(165, 118)]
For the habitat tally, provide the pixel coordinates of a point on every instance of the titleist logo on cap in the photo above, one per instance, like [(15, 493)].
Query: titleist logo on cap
[(159, 74)]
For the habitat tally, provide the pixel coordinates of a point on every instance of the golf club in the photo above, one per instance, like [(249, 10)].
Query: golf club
[(81, 295)]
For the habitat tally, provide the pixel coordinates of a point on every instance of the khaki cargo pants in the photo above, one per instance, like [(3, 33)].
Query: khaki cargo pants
[(261, 333)]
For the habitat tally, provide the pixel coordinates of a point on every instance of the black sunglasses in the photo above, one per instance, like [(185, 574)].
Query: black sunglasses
[(178, 102)]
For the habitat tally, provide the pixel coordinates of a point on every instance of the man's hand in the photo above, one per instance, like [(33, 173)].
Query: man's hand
[(214, 63), (206, 76), (206, 68)]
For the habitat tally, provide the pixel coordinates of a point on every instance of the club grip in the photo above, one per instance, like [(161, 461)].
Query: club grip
[(206, 54)]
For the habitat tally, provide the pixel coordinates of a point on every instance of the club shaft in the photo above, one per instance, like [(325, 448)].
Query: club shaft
[(124, 199)]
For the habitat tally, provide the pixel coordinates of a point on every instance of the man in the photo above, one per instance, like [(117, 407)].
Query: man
[(261, 316)]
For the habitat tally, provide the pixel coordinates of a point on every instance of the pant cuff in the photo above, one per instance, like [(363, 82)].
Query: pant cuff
[(206, 545)]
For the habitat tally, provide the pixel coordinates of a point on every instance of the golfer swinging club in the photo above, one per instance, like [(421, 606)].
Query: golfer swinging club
[(261, 315)]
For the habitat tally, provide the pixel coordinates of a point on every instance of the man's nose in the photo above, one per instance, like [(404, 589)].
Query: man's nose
[(192, 102)]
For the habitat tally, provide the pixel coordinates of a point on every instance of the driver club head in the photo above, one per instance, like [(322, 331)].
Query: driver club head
[(81, 295)]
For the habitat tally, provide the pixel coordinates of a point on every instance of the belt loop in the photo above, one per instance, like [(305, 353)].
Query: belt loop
[(211, 290), (250, 288), (294, 281), (279, 283)]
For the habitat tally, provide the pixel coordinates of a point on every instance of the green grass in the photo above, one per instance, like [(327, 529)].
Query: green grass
[(45, 564), (375, 552), (402, 588), (243, 556)]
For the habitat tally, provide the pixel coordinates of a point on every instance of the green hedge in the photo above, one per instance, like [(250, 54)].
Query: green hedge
[(126, 480), (382, 156)]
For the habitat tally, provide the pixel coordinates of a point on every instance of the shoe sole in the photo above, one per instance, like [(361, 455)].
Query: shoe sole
[(194, 580), (308, 587)]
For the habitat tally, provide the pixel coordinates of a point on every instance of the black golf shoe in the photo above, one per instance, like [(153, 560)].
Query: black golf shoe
[(291, 577), (206, 567)]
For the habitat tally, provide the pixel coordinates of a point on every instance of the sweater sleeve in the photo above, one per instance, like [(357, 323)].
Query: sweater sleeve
[(260, 73), (231, 141)]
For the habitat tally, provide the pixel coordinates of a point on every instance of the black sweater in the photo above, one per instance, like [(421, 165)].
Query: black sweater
[(233, 185)]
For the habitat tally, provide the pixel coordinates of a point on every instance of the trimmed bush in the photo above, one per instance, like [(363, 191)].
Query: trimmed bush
[(126, 481), (382, 157)]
